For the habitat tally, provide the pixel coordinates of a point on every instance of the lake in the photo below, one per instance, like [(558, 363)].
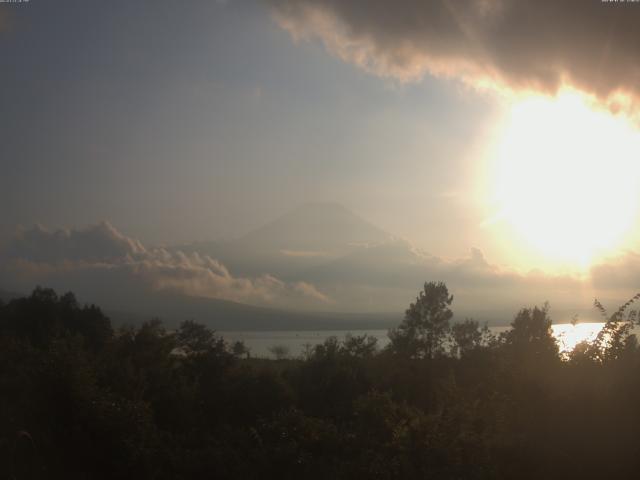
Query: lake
[(259, 342)]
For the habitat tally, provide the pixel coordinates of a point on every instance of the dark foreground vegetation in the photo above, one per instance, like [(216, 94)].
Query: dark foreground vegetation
[(80, 400)]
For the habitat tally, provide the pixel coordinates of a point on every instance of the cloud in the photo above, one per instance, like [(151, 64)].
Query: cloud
[(387, 276), (304, 253), (103, 265), (591, 45), (99, 243), (99, 258), (619, 273)]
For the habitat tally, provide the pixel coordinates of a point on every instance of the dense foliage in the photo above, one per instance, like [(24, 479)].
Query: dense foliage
[(443, 401)]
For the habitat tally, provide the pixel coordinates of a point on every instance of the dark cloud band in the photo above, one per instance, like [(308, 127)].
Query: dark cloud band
[(591, 45)]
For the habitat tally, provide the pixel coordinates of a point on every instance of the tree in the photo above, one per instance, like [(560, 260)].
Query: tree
[(279, 351), (329, 349), (531, 336), (194, 339), (616, 337), (424, 330), (467, 336), (43, 317), (239, 349), (363, 346)]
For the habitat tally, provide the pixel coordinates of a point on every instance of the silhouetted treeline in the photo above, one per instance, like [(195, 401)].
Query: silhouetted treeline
[(79, 400)]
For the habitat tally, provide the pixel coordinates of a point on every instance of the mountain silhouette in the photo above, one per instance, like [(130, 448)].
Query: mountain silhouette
[(322, 228), (305, 237), (226, 315)]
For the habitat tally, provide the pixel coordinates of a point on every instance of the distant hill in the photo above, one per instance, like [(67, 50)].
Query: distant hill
[(172, 308), (5, 295), (226, 315)]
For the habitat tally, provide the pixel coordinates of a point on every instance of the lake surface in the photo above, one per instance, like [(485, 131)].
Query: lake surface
[(259, 342)]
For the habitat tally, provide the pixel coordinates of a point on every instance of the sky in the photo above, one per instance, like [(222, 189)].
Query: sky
[(502, 129), (206, 121)]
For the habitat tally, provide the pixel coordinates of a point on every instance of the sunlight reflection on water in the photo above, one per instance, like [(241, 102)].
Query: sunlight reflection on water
[(259, 343), (568, 335)]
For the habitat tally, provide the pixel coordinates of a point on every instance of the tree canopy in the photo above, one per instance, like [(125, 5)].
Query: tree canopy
[(445, 400)]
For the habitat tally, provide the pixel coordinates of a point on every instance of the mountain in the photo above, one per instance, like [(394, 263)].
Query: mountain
[(392, 263), (320, 256), (360, 266), (323, 229), (308, 236), (229, 316), (225, 315)]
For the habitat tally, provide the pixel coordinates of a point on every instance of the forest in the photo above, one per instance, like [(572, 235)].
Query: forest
[(81, 399)]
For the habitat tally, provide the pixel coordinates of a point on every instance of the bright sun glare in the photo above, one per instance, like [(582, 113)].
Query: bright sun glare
[(566, 177)]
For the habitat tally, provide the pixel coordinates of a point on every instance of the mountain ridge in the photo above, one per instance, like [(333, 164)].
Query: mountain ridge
[(301, 238)]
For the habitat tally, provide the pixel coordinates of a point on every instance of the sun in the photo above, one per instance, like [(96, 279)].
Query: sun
[(566, 177)]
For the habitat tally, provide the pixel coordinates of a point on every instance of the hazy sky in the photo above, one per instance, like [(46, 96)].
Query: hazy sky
[(180, 121), (501, 137)]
